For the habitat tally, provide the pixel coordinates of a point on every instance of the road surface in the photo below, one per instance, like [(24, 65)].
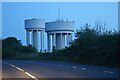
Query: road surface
[(0, 69), (52, 69)]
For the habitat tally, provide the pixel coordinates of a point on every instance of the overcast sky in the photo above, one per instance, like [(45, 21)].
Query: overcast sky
[(14, 14)]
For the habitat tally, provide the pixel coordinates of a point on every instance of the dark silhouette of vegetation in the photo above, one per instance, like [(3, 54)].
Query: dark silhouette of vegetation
[(12, 47), (91, 47), (27, 49)]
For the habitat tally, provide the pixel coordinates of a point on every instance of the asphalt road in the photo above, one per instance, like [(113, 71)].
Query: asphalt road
[(51, 69), (0, 69)]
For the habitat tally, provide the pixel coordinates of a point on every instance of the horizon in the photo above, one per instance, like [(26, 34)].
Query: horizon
[(81, 13)]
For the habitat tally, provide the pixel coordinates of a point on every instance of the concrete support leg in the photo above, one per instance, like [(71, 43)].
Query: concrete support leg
[(71, 35), (61, 40), (58, 40), (42, 41), (49, 42), (55, 40), (27, 37), (70, 39), (35, 39), (67, 39)]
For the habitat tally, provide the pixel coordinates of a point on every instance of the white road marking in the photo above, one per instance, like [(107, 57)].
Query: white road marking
[(83, 68), (109, 72), (20, 69), (12, 65), (74, 67), (30, 75)]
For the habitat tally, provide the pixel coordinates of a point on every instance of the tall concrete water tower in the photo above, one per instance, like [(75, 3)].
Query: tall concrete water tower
[(35, 27), (59, 34)]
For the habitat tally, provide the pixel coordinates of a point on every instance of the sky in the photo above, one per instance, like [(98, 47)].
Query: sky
[(14, 14), (60, 0)]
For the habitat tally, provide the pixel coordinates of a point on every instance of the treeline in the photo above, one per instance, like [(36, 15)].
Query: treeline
[(91, 47), (11, 47)]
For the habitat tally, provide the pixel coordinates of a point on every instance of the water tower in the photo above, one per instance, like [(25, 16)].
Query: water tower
[(59, 34), (35, 33)]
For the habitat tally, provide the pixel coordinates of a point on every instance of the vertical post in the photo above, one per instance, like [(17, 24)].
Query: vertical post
[(61, 40), (27, 37), (35, 39), (32, 37), (53, 42), (57, 41), (70, 37), (67, 39), (49, 42), (42, 40)]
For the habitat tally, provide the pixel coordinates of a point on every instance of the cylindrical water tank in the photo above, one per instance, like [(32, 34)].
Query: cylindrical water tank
[(59, 25), (34, 24)]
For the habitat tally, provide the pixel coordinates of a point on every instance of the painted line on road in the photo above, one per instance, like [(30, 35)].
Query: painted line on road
[(31, 75), (18, 68), (74, 67), (83, 68), (109, 72)]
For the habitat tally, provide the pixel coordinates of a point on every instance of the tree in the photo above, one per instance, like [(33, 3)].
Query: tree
[(10, 47), (93, 47)]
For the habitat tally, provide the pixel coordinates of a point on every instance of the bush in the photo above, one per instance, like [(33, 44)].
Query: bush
[(27, 49), (11, 47), (93, 47), (8, 53)]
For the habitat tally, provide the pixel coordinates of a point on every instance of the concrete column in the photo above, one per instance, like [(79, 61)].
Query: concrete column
[(58, 41), (67, 39), (49, 42), (35, 39), (55, 40), (32, 37), (71, 35), (27, 37), (61, 40), (42, 41), (70, 39)]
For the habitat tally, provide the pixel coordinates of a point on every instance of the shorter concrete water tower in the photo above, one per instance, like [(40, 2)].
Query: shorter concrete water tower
[(35, 27), (59, 34)]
